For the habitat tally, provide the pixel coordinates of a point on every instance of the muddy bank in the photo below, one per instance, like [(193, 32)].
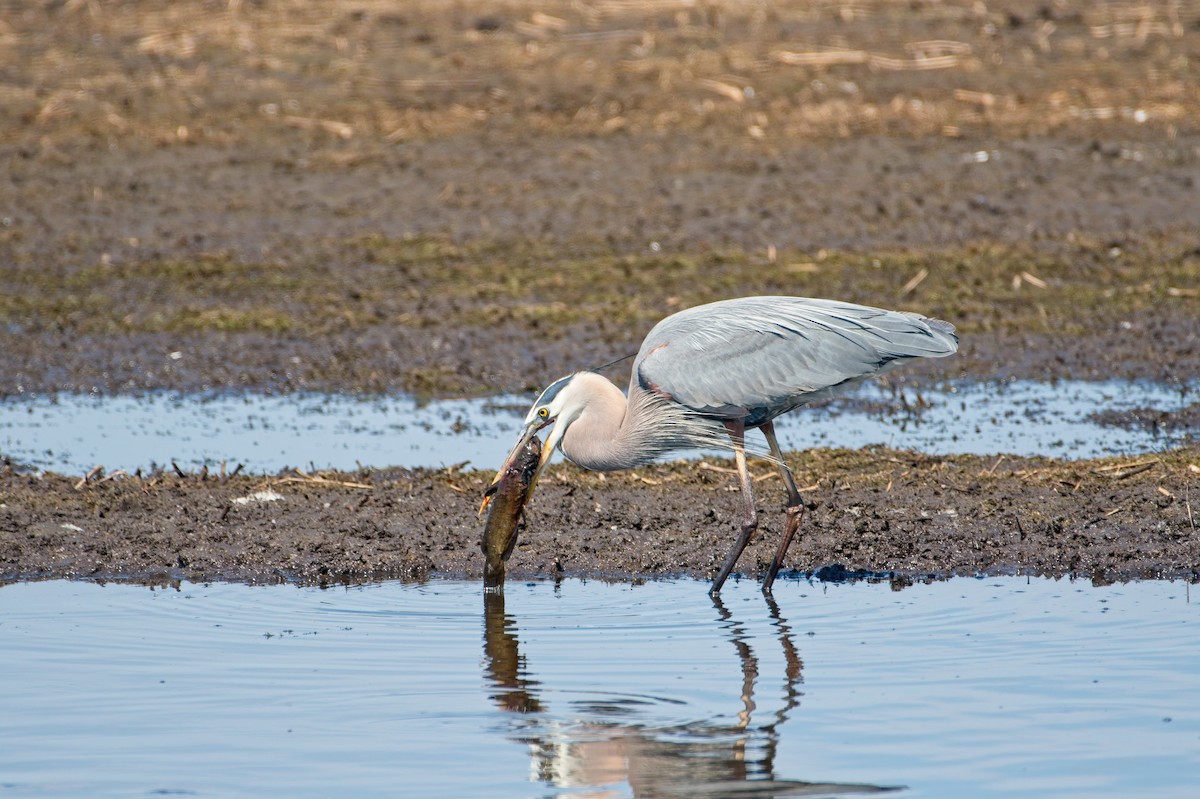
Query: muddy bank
[(448, 200), (876, 510)]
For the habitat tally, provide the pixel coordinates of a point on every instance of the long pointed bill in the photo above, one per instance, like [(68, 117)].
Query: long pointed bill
[(548, 447)]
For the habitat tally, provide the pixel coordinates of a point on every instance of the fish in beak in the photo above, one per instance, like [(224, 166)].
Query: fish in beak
[(507, 495), (515, 456)]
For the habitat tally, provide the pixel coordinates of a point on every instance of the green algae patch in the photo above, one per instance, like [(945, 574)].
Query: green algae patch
[(432, 282), (574, 305)]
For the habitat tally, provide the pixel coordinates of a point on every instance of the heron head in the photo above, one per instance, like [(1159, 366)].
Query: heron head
[(555, 406)]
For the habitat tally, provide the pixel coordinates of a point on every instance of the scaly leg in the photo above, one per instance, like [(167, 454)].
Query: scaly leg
[(737, 432), (795, 510)]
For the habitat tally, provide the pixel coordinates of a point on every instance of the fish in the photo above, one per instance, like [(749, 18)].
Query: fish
[(507, 495)]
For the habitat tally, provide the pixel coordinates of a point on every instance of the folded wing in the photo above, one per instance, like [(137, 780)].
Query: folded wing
[(758, 357)]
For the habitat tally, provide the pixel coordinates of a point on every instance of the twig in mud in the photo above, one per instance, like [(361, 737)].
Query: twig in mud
[(113, 475), (821, 58), (708, 467), (919, 63), (982, 99), (420, 85), (1119, 471), (1112, 467), (913, 282), (178, 471), (312, 479), (339, 129), (996, 465), (1026, 277), (916, 461), (541, 26), (95, 470), (936, 47), (727, 90), (1122, 475)]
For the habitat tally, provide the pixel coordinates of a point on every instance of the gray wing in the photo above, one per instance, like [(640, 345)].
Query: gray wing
[(757, 357)]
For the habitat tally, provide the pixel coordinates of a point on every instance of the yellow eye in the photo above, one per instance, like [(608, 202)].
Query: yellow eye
[(543, 412)]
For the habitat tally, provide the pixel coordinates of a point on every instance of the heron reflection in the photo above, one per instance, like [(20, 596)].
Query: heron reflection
[(605, 749)]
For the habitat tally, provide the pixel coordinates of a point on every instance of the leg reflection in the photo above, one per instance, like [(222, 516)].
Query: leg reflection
[(763, 738), (598, 744)]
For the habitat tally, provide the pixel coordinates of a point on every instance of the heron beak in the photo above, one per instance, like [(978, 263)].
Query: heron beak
[(528, 433), (548, 447)]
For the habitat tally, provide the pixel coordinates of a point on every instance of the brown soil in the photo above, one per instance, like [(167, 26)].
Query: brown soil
[(875, 510), (476, 198)]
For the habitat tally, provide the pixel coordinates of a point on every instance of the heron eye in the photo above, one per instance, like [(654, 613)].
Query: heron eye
[(543, 412)]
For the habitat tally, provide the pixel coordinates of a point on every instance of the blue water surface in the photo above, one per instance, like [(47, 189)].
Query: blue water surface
[(71, 433), (969, 687)]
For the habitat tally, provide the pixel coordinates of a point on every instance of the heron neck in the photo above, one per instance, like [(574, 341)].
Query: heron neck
[(607, 434)]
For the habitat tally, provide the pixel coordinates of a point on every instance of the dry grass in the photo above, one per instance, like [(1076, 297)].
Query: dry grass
[(371, 73)]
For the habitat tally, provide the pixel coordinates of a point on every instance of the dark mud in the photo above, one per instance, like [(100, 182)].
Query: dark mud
[(471, 200), (442, 201), (359, 279), (875, 510)]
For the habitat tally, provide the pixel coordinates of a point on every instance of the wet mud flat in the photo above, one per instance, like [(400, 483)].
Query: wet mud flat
[(472, 200), (876, 510)]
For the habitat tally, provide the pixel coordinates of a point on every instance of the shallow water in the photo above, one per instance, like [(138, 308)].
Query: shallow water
[(73, 433), (989, 687)]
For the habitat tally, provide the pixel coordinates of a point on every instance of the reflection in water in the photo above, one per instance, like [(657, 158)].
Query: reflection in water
[(505, 666), (604, 747), (793, 665)]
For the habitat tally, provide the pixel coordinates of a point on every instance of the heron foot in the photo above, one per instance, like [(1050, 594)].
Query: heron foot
[(734, 553), (795, 515)]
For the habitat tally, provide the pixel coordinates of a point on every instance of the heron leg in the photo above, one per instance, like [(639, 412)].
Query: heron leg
[(795, 509), (737, 432)]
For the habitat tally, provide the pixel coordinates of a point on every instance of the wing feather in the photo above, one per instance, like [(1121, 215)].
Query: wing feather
[(757, 357)]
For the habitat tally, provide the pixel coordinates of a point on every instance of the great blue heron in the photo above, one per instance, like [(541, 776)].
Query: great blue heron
[(705, 375)]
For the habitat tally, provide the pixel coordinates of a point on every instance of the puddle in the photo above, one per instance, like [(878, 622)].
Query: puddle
[(989, 687), (73, 433)]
